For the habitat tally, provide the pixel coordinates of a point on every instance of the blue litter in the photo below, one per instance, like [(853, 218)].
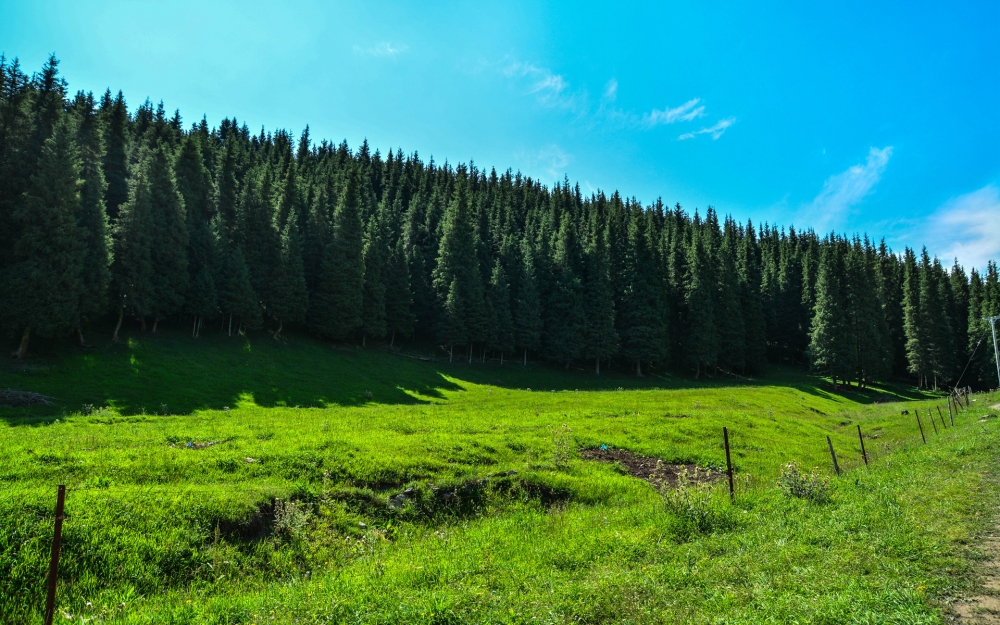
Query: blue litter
[(604, 447)]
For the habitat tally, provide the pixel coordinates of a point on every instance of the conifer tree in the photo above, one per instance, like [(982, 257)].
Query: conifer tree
[(868, 329), (133, 235), (748, 264), (237, 299), (373, 299), (729, 318), (114, 118), (699, 297), (831, 348), (291, 297), (195, 186), (641, 324), (456, 277), (398, 297), (43, 285), (565, 321), (168, 251), (91, 217), (501, 322), (527, 304), (601, 339), (917, 342), (15, 171), (339, 297)]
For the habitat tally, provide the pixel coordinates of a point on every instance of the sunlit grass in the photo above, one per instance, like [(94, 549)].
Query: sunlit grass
[(172, 514)]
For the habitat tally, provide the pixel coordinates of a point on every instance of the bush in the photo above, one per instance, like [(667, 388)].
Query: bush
[(811, 486), (692, 502)]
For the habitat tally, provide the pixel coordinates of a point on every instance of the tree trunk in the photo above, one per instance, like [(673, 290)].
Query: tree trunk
[(598, 371), (363, 337), (525, 356), (501, 357), (451, 353), (230, 324), (79, 335), (23, 349), (197, 331), (156, 321), (638, 369), (484, 353), (392, 340), (697, 371), (121, 314), (470, 352), (142, 323), (277, 333), (194, 327)]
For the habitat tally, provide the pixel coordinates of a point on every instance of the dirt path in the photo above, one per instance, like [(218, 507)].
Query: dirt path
[(984, 608)]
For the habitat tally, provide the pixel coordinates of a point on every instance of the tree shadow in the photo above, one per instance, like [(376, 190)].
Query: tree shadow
[(171, 373)]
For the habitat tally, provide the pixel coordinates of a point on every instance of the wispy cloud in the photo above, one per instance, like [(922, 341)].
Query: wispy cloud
[(716, 131), (611, 90), (551, 160), (841, 192), (549, 88), (383, 49), (968, 226), (684, 113)]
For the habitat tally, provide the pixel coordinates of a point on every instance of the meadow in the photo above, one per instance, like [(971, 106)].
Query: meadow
[(247, 480)]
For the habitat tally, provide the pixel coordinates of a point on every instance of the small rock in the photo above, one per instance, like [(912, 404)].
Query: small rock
[(363, 526), (905, 412), (397, 502), (250, 460)]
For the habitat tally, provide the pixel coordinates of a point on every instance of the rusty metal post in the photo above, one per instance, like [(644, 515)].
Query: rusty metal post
[(729, 462), (864, 454)]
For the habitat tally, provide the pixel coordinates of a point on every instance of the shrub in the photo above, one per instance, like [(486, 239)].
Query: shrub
[(691, 500), (290, 519), (811, 486)]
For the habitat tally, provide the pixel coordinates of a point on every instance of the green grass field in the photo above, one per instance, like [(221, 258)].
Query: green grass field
[(235, 480)]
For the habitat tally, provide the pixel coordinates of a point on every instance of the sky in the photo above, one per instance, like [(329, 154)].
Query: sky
[(854, 117)]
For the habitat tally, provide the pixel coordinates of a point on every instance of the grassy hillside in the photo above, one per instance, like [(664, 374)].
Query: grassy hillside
[(234, 480)]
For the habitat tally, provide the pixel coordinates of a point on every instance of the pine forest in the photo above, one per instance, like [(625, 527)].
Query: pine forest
[(111, 217)]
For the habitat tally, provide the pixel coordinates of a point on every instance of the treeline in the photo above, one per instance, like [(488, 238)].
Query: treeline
[(107, 215)]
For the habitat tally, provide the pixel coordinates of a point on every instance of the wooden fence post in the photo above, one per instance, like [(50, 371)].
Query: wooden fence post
[(861, 438), (50, 600), (951, 415), (729, 463), (833, 455), (920, 425), (931, 415)]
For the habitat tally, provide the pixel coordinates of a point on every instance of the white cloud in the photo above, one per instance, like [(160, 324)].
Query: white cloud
[(683, 113), (383, 49), (716, 130), (550, 89), (551, 160), (843, 191), (967, 227), (611, 90)]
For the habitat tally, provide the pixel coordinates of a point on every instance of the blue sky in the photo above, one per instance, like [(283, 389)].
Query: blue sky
[(856, 116)]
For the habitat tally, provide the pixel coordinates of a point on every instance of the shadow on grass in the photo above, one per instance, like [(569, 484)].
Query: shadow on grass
[(171, 373)]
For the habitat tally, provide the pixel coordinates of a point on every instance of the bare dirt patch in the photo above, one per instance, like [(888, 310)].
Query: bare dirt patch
[(653, 470), (984, 608)]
